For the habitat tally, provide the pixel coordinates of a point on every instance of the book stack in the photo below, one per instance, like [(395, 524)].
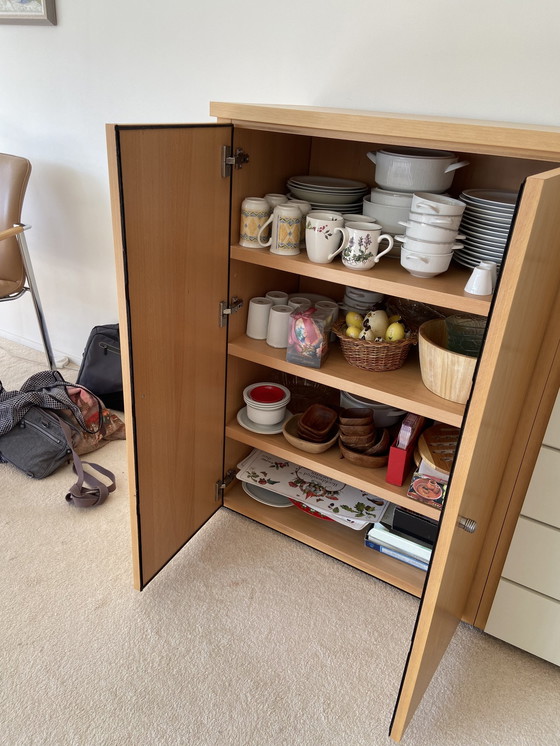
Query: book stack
[(415, 550)]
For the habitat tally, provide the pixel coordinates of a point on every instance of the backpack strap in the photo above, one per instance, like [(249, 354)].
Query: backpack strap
[(95, 492)]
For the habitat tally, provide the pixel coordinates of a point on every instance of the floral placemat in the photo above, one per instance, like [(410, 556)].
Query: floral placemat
[(329, 496)]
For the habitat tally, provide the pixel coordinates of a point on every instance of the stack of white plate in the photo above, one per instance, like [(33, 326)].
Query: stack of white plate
[(362, 301), (329, 193), (486, 224)]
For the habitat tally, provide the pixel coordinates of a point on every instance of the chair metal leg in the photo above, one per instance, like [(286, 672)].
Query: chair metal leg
[(36, 299)]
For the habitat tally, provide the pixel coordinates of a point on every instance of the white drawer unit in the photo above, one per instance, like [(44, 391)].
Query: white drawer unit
[(542, 502), (526, 619), (534, 557), (552, 435)]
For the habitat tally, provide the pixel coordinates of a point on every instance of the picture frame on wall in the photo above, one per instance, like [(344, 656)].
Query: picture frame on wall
[(37, 12)]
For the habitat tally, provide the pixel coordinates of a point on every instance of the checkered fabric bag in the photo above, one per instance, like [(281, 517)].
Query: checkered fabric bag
[(49, 422)]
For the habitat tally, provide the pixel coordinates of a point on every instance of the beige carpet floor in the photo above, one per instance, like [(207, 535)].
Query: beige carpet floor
[(246, 638)]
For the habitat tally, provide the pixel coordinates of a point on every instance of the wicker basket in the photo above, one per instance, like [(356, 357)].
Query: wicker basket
[(376, 356)]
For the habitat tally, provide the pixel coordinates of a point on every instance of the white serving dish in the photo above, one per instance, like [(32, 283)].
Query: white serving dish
[(428, 232), (429, 247), (449, 222), (430, 203), (424, 264), (415, 169)]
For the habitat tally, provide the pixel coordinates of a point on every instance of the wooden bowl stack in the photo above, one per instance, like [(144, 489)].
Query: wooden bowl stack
[(314, 431), (360, 441)]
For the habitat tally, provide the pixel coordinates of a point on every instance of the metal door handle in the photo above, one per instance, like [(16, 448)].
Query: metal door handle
[(467, 524)]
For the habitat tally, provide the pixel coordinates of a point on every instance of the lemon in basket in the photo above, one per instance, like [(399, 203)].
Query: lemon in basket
[(354, 319), (395, 331), (353, 331)]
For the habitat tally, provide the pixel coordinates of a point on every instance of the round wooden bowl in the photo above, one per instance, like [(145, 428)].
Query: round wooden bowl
[(362, 459), (290, 433), (445, 373)]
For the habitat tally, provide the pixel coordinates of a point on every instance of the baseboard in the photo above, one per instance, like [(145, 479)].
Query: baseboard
[(61, 358)]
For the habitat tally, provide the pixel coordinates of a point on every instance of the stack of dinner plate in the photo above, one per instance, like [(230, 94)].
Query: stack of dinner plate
[(329, 193), (486, 225)]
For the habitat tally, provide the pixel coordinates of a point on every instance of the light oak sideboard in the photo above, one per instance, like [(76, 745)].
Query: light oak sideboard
[(176, 195)]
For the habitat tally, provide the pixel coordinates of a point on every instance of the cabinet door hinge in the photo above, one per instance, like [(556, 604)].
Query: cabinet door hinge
[(221, 484), (226, 309), (228, 160)]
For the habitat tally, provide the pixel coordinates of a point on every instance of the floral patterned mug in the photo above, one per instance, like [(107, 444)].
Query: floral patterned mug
[(321, 235), (360, 245)]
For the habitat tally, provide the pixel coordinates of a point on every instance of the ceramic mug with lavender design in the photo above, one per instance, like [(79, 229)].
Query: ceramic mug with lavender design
[(360, 245), (323, 233)]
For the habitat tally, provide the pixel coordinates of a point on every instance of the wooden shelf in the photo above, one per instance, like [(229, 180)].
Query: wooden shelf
[(388, 277), (402, 388), (335, 540), (332, 465)]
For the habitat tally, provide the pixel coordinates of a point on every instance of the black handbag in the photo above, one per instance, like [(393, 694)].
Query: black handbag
[(100, 371)]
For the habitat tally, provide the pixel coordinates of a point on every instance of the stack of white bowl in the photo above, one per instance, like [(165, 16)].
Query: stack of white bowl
[(432, 231), (399, 173), (388, 209), (268, 408)]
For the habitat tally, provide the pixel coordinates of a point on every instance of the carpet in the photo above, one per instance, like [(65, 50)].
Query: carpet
[(246, 638)]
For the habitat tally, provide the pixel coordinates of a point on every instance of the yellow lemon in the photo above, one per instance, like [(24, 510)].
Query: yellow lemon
[(354, 319), (353, 331), (393, 318), (395, 331)]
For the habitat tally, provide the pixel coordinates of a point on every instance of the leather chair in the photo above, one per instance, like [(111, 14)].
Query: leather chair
[(15, 264)]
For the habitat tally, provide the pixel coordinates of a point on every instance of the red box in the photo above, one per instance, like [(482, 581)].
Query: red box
[(399, 464)]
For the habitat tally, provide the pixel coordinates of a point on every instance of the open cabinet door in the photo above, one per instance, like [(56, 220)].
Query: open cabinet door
[(171, 208), (526, 295)]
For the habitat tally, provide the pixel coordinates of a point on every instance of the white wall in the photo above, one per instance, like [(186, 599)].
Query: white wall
[(147, 61)]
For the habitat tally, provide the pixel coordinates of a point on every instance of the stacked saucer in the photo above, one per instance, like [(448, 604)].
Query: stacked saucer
[(329, 193), (486, 225)]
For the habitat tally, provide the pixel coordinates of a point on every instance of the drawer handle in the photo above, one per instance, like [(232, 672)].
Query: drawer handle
[(467, 524)]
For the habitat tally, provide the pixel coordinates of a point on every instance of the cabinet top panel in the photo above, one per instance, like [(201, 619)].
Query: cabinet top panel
[(509, 139)]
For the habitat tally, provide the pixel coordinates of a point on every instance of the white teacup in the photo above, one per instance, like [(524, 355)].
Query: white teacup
[(353, 218), (275, 199), (285, 232), (321, 235), (361, 244)]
